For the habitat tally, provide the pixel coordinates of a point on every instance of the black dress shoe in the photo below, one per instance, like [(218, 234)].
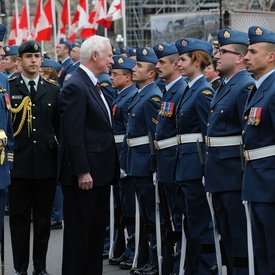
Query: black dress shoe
[(127, 265), (21, 273), (105, 254), (117, 261), (56, 225), (147, 270), (42, 272)]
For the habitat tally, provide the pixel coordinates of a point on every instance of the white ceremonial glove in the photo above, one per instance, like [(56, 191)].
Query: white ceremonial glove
[(123, 173)]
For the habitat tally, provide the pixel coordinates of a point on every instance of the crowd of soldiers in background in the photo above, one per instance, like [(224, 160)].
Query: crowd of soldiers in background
[(180, 118)]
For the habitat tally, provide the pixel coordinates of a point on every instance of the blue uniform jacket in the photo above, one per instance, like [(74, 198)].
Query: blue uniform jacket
[(6, 125), (143, 112), (71, 69), (120, 112), (191, 117), (259, 175), (65, 67), (223, 169), (166, 128), (106, 88)]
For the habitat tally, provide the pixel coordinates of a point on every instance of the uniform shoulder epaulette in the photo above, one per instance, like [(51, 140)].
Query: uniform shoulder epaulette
[(51, 81), (156, 99), (11, 79), (207, 92), (104, 84), (250, 87)]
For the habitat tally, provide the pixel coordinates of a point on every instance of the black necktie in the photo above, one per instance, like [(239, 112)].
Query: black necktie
[(253, 91), (33, 92)]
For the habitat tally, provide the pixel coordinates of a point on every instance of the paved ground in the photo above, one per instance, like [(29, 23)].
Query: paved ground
[(54, 256)]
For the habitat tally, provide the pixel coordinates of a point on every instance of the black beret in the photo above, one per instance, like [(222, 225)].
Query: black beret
[(29, 46)]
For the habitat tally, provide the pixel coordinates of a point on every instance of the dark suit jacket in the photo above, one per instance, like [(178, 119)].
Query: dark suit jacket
[(87, 143), (35, 153)]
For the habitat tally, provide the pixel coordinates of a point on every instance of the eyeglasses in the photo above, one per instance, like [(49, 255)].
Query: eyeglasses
[(116, 74), (224, 51)]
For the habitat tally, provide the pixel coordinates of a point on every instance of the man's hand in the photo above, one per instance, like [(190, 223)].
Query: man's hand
[(85, 181)]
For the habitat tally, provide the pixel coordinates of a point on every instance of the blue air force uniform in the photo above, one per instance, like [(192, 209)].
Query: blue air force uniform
[(120, 115), (142, 119), (223, 167), (191, 120), (6, 137), (259, 172)]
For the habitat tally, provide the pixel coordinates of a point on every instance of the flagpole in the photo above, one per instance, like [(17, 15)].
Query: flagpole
[(28, 15), (124, 21), (17, 21), (69, 14), (105, 11), (42, 42), (54, 28)]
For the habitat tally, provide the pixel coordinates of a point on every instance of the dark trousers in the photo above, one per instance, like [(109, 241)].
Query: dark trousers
[(85, 222), (263, 224), (231, 219), (26, 197)]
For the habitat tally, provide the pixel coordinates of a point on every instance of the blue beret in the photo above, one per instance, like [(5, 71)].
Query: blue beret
[(76, 45), (52, 64), (65, 41), (146, 55), (123, 62), (29, 46), (125, 49), (133, 52), (226, 36), (2, 32), (116, 51), (258, 34), (162, 49), (185, 45), (10, 50)]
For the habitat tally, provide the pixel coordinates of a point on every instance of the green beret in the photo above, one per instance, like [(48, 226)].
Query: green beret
[(29, 46)]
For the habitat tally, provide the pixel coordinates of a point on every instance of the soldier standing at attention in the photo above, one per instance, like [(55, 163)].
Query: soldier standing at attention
[(33, 178), (142, 113), (223, 166), (191, 120), (259, 145), (121, 78), (166, 131), (6, 135)]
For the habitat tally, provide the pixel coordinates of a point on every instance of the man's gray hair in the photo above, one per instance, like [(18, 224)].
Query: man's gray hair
[(93, 43)]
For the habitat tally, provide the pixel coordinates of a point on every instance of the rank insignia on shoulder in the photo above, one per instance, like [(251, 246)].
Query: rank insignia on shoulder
[(104, 84), (207, 92), (51, 81), (11, 79), (156, 99), (2, 90), (250, 87), (154, 120)]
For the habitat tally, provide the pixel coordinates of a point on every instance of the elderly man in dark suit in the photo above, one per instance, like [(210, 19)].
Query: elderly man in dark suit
[(88, 162)]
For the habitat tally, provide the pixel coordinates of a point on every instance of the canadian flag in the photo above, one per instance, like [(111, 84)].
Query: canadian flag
[(43, 21), (23, 27), (64, 21), (13, 33), (79, 20), (90, 28), (114, 13)]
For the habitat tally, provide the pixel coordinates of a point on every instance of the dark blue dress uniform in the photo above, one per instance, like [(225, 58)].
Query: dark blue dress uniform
[(106, 87), (120, 115), (223, 167), (33, 177), (191, 120), (6, 138), (142, 119), (259, 174)]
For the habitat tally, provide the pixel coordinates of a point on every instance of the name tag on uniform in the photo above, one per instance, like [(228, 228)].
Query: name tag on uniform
[(16, 97)]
